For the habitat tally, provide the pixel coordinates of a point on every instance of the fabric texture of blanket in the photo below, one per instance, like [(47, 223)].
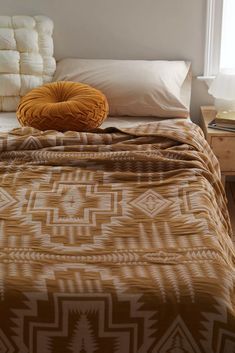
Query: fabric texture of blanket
[(26, 57), (114, 241)]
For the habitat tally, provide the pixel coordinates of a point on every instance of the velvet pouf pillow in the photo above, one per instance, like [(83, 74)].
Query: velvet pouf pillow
[(63, 106)]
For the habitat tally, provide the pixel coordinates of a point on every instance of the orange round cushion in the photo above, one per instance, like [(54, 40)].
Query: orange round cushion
[(63, 106)]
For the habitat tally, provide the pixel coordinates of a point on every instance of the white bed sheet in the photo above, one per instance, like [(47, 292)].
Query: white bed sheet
[(8, 121)]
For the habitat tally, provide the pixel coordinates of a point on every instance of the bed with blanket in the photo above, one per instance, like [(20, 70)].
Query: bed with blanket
[(114, 241)]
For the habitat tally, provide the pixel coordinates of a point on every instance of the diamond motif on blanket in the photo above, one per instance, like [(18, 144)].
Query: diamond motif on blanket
[(5, 200), (72, 201), (151, 203)]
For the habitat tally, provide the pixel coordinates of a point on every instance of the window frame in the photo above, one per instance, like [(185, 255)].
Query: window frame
[(213, 37)]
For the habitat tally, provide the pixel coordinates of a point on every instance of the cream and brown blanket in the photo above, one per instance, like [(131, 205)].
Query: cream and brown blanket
[(114, 242)]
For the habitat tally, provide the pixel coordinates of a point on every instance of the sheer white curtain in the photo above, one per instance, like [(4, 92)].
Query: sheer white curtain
[(227, 54)]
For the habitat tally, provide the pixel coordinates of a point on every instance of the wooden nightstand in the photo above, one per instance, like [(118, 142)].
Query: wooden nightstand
[(221, 142)]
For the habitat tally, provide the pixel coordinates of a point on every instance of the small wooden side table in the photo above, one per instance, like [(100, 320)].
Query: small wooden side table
[(221, 142)]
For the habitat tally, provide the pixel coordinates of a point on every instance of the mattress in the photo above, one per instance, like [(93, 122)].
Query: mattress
[(114, 242), (9, 121)]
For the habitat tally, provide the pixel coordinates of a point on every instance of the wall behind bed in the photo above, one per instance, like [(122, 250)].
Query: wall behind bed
[(126, 29)]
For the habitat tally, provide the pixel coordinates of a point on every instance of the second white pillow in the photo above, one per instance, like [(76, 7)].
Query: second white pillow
[(134, 87)]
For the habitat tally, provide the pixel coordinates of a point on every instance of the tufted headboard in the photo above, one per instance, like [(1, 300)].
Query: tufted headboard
[(26, 57)]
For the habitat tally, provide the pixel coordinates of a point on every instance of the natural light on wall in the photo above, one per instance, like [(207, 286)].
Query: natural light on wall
[(227, 56)]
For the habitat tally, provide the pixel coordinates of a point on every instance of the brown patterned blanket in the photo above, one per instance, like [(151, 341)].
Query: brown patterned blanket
[(114, 242)]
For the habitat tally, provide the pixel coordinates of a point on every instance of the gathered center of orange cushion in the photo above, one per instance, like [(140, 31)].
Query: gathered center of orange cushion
[(63, 106)]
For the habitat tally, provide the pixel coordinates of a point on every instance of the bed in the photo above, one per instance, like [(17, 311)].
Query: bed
[(116, 240)]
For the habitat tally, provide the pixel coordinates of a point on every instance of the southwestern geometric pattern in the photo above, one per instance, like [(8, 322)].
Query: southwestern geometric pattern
[(114, 242)]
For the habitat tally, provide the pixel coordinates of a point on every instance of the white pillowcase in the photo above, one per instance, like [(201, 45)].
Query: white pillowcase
[(26, 57), (134, 87)]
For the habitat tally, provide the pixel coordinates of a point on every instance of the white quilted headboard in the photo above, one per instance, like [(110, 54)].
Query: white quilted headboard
[(26, 57)]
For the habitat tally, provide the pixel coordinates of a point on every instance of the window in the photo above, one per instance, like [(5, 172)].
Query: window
[(220, 50), (227, 54)]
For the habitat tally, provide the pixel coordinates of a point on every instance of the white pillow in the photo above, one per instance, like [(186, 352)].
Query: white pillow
[(134, 87), (26, 57)]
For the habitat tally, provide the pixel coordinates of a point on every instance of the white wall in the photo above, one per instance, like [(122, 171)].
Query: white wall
[(125, 29)]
